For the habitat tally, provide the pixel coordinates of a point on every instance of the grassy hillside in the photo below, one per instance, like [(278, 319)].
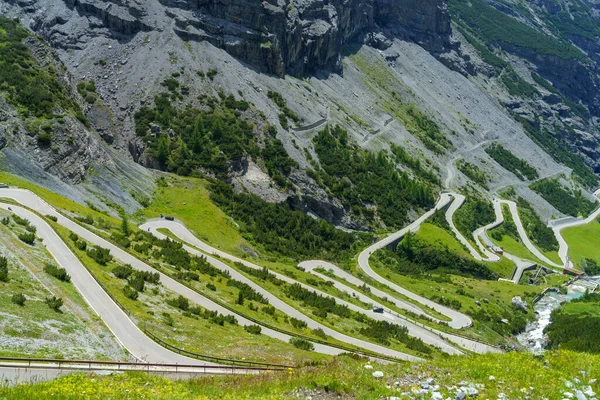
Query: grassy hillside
[(507, 237), (245, 225), (580, 245), (576, 325), (33, 328), (57, 201), (187, 199), (457, 289), (516, 375)]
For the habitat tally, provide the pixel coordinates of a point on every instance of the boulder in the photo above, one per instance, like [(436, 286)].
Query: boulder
[(155, 129), (378, 41), (519, 303)]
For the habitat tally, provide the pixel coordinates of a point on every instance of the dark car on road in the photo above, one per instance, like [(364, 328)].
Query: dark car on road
[(169, 218), (378, 310)]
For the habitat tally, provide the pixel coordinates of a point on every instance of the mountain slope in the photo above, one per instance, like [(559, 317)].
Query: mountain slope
[(501, 75)]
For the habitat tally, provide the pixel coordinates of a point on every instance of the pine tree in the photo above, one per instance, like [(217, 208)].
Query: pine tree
[(162, 152), (125, 225), (240, 299)]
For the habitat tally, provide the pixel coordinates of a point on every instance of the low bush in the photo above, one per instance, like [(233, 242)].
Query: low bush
[(247, 292), (302, 344), (88, 219), (179, 302), (297, 323), (44, 139), (187, 276), (320, 333), (213, 316), (57, 272), (122, 271), (120, 239), (21, 221), (28, 238), (136, 281), (130, 292), (3, 269), (253, 329), (270, 310), (55, 303), (168, 319), (18, 299), (101, 255), (383, 332)]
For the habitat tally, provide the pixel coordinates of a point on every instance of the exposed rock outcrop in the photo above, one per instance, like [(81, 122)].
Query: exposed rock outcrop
[(299, 36), (424, 22), (281, 37), (73, 147), (519, 303), (576, 79)]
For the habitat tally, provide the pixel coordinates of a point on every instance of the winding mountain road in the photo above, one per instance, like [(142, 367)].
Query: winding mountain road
[(464, 342), (186, 236), (459, 200), (31, 200), (123, 328), (479, 232), (428, 335), (425, 334), (145, 349), (457, 320), (482, 239), (514, 211)]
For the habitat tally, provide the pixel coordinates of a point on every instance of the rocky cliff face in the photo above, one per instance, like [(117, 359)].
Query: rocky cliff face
[(60, 150), (73, 147), (299, 36), (128, 48), (424, 22), (280, 37)]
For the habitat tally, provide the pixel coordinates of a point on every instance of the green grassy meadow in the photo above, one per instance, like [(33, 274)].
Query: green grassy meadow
[(516, 375), (584, 242)]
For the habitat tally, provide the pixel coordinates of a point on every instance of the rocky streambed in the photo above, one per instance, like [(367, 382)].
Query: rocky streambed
[(534, 338)]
